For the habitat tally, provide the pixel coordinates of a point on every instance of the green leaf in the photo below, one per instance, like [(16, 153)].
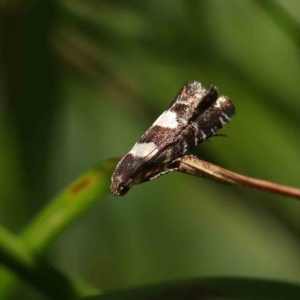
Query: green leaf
[(214, 288), (24, 255)]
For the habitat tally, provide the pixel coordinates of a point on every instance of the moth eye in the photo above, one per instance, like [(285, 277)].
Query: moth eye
[(124, 189)]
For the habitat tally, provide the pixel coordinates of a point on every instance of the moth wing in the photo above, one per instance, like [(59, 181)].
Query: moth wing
[(192, 100), (213, 119)]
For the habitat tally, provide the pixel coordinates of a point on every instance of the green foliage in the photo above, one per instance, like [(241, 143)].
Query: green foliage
[(81, 81)]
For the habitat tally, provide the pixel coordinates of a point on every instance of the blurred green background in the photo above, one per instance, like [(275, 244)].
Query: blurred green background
[(81, 81)]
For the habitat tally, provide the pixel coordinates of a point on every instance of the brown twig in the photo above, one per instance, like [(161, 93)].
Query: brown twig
[(192, 165)]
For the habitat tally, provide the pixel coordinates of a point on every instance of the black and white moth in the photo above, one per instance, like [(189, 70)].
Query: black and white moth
[(194, 115)]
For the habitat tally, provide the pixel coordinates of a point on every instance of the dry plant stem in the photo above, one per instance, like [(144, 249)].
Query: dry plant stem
[(194, 166)]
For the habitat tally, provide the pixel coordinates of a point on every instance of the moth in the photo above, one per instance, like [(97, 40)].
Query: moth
[(193, 116)]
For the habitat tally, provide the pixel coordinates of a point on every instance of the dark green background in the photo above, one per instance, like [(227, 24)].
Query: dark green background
[(81, 81)]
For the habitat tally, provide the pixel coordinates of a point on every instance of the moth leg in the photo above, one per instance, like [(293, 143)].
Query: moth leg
[(179, 165), (163, 173), (174, 166)]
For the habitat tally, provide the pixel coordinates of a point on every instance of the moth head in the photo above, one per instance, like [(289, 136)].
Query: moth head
[(119, 186)]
